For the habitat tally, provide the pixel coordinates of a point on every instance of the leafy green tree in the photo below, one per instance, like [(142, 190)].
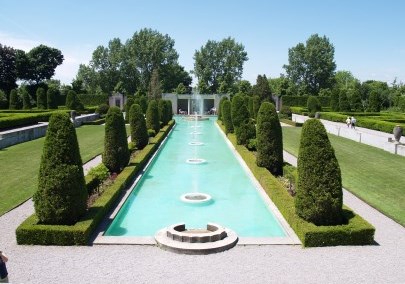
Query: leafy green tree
[(244, 87), (8, 71), (26, 98), (374, 102), (163, 115), (152, 116), (239, 111), (219, 62), (319, 196), (345, 80), (172, 75), (262, 89), (73, 101), (355, 100), (15, 100), (139, 132), (61, 197), (256, 105), (155, 86), (51, 98), (250, 108), (116, 153), (41, 98), (311, 67), (181, 89), (269, 139), (313, 105), (334, 100), (344, 104), (226, 116), (3, 100)]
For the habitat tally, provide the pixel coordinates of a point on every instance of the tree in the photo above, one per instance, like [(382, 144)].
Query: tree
[(155, 86), (374, 102), (269, 139), (256, 106), (239, 111), (344, 104), (73, 101), (130, 102), (262, 89), (219, 62), (355, 100), (152, 116), (8, 71), (220, 107), (244, 87), (51, 97), (25, 98), (41, 98), (245, 132), (139, 132), (43, 61), (172, 75), (61, 197), (15, 100), (311, 67), (226, 116), (313, 105), (3, 100), (180, 89), (334, 100), (319, 196), (116, 153)]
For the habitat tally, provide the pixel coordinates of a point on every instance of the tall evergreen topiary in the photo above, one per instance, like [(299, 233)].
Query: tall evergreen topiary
[(139, 132), (41, 98), (250, 107), (116, 153), (221, 102), (163, 115), (130, 102), (152, 116), (15, 100), (313, 105), (334, 100), (269, 139), (226, 116), (239, 111), (3, 100), (61, 197), (73, 101), (319, 196), (344, 104), (26, 98), (256, 106), (245, 132), (169, 110), (51, 98)]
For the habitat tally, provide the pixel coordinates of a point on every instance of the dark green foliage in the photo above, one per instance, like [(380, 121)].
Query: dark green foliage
[(344, 104), (73, 102), (334, 100), (3, 100), (41, 98), (15, 100), (169, 110), (269, 139), (355, 101), (97, 175), (374, 102), (319, 196), (245, 132), (285, 112), (250, 107), (313, 105), (163, 115), (139, 132), (116, 153), (226, 116), (93, 100), (61, 197), (239, 111), (262, 89), (303, 100), (102, 109), (220, 107), (26, 99), (130, 102), (32, 233), (152, 116), (143, 102), (51, 97), (23, 119), (256, 106)]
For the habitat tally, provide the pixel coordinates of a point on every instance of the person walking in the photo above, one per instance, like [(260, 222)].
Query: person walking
[(353, 121), (348, 122), (3, 268)]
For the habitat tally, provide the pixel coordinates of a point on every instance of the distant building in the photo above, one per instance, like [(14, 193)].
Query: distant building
[(191, 103), (117, 99)]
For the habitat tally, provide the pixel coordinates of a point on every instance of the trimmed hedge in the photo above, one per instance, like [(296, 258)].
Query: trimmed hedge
[(93, 100), (356, 232), (301, 101), (32, 233), (22, 119)]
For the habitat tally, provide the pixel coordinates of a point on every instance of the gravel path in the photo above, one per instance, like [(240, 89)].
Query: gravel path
[(381, 263)]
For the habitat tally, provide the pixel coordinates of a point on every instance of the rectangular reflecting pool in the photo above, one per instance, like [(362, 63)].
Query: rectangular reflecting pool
[(155, 201)]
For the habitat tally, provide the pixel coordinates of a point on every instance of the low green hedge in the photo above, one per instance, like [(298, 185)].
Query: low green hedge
[(32, 233), (356, 232), (94, 122), (22, 119), (292, 123), (301, 101)]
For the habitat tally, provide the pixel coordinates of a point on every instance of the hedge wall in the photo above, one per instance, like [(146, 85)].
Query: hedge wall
[(93, 100), (356, 232), (32, 233), (302, 101), (22, 119)]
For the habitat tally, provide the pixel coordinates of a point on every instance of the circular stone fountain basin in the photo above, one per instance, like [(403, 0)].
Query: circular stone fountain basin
[(196, 197), (214, 238), (195, 161), (198, 117)]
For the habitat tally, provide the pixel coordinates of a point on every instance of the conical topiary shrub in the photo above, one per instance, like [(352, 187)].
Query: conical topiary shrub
[(129, 103), (15, 100), (26, 98), (152, 116), (51, 98), (61, 197), (139, 132), (226, 116), (41, 98), (116, 153), (319, 194), (239, 111), (221, 102), (269, 139)]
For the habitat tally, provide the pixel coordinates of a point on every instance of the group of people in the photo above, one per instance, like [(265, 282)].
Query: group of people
[(351, 122)]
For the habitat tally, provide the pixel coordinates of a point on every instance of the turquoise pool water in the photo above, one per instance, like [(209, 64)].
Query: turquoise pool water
[(155, 201)]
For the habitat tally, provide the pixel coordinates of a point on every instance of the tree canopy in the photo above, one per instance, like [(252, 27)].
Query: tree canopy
[(311, 66), (219, 65)]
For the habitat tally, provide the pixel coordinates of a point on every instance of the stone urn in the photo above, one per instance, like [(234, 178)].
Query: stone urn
[(397, 133), (317, 115)]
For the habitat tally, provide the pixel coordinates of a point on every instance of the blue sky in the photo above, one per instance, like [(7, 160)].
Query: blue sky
[(368, 36)]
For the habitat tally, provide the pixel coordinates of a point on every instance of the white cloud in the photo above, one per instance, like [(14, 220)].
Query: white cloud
[(16, 42)]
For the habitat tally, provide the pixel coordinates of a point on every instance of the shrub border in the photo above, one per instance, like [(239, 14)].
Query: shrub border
[(357, 232), (31, 233)]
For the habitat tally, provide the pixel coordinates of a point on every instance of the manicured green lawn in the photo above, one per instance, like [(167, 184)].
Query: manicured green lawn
[(19, 164), (370, 173)]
